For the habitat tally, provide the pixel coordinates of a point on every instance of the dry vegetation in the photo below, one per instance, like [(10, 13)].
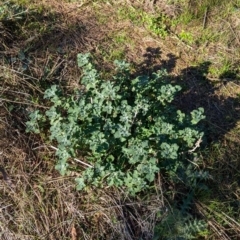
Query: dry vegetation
[(40, 48)]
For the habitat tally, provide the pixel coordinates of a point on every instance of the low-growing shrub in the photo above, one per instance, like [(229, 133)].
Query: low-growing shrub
[(126, 128)]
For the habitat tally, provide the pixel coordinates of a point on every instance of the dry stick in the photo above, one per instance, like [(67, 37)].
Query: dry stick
[(228, 219), (197, 145), (77, 160), (25, 103), (219, 231), (23, 79), (205, 18), (235, 222), (17, 14), (206, 210), (230, 26), (7, 90), (54, 68)]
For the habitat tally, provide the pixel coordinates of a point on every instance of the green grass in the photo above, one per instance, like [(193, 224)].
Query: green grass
[(155, 23)]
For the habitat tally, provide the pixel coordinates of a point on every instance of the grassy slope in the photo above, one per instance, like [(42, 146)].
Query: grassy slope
[(198, 45)]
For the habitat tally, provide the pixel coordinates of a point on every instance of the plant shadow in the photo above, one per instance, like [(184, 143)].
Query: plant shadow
[(153, 62), (221, 150), (222, 111)]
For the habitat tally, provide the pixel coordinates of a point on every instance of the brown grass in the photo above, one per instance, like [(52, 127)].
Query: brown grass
[(37, 203)]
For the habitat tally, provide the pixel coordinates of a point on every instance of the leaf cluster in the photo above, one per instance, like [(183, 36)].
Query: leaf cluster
[(125, 127)]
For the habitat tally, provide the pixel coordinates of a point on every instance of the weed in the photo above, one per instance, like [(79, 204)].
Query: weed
[(184, 18), (218, 71), (156, 24), (177, 226), (186, 37), (124, 127)]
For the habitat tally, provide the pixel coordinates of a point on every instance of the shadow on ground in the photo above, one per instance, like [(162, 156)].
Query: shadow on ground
[(43, 44), (222, 111), (221, 102)]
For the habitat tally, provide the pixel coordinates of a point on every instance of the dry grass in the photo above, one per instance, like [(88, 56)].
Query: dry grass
[(37, 203)]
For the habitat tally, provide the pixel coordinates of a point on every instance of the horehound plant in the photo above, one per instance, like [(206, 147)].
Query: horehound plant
[(126, 129)]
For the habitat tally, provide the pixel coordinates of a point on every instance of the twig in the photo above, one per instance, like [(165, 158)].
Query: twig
[(17, 14), (25, 103), (230, 26), (237, 225), (193, 163), (9, 205), (77, 160), (197, 145), (34, 87), (7, 90), (205, 18)]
